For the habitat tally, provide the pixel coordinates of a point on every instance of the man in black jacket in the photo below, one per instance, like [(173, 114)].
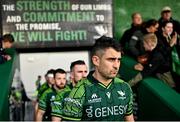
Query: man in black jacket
[(136, 25)]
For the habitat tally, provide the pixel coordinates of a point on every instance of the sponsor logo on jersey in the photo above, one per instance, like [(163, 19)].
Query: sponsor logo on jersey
[(108, 94), (52, 98), (106, 111), (57, 103), (121, 95), (94, 98), (72, 101)]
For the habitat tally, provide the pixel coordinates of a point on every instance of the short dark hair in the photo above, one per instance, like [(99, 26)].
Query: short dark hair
[(61, 71), (164, 23), (8, 38), (105, 42), (78, 62), (51, 71), (150, 22)]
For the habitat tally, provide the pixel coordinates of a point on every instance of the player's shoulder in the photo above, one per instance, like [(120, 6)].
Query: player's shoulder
[(79, 89), (43, 87), (120, 81), (47, 92), (67, 88), (64, 92), (83, 82)]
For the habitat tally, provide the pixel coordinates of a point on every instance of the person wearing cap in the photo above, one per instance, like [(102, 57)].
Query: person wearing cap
[(166, 15)]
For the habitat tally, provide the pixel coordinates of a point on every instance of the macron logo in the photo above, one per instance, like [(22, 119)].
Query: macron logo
[(94, 96)]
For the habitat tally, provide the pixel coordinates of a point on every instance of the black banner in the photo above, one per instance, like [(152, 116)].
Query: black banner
[(56, 23)]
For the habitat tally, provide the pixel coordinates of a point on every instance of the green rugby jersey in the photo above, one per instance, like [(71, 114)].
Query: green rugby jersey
[(43, 88), (57, 104), (91, 100), (45, 102)]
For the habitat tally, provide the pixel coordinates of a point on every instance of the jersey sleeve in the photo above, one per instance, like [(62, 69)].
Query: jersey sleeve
[(58, 103), (56, 106), (129, 110), (73, 104), (42, 101), (41, 90)]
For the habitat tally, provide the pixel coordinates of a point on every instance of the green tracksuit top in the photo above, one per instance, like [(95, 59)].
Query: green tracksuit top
[(91, 100)]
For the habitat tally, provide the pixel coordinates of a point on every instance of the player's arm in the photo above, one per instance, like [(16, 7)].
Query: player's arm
[(39, 115), (129, 113), (41, 107), (129, 118)]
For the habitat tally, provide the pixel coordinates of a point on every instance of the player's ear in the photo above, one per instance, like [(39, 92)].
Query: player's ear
[(71, 75), (95, 60)]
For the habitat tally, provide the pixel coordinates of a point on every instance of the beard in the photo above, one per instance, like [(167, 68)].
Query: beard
[(60, 86)]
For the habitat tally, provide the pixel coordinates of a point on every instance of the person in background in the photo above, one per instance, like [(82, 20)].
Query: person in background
[(136, 25), (150, 26), (168, 40), (49, 76), (156, 64), (78, 70), (166, 15), (18, 98), (93, 98), (38, 82), (48, 97), (6, 42), (25, 99), (15, 104)]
